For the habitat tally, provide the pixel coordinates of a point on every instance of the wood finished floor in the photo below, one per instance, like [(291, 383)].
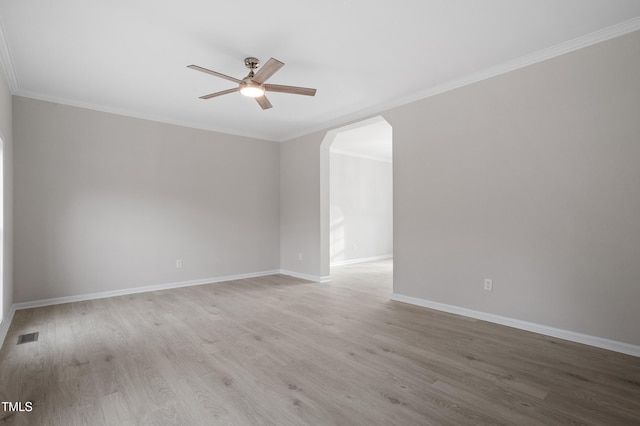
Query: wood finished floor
[(280, 351)]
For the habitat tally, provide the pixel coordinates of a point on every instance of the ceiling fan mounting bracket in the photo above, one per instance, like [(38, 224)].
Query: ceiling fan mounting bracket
[(252, 63)]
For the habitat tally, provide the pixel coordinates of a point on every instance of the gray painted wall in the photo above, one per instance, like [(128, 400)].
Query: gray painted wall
[(6, 132), (530, 178), (299, 208), (361, 208), (105, 202)]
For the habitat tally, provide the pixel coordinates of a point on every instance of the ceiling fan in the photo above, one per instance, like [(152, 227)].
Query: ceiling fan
[(253, 85)]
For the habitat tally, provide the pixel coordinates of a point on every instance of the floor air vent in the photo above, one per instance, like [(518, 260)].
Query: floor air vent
[(27, 338)]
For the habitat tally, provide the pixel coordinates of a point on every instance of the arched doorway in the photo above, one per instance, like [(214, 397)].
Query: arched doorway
[(356, 145)]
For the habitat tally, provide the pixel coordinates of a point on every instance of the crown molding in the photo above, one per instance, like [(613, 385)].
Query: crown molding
[(587, 40), (7, 61), (605, 34), (136, 114)]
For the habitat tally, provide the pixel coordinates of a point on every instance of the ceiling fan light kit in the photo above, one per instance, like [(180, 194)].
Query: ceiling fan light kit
[(253, 85), (252, 89)]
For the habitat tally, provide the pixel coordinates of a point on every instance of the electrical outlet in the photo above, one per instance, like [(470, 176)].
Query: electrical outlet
[(488, 284), (179, 263)]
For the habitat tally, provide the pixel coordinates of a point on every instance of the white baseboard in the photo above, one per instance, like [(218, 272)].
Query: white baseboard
[(314, 278), (361, 260), (572, 336), (6, 323), (123, 292), (586, 339)]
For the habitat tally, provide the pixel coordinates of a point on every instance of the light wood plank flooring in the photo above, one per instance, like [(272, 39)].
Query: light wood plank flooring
[(281, 351)]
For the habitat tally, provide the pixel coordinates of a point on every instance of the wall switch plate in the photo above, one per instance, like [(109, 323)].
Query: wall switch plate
[(179, 263), (488, 284), (299, 256)]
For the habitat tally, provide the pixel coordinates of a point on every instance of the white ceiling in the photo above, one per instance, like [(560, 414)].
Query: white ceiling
[(130, 56)]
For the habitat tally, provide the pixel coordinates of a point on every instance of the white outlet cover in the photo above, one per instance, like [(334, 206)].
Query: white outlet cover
[(488, 284)]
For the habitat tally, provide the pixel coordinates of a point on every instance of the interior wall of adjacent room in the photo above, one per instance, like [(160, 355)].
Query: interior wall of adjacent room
[(107, 202), (6, 133), (528, 178), (361, 208)]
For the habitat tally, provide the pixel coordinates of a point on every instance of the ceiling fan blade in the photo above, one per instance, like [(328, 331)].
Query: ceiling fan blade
[(267, 70), (290, 89), (264, 102), (224, 92), (217, 74)]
